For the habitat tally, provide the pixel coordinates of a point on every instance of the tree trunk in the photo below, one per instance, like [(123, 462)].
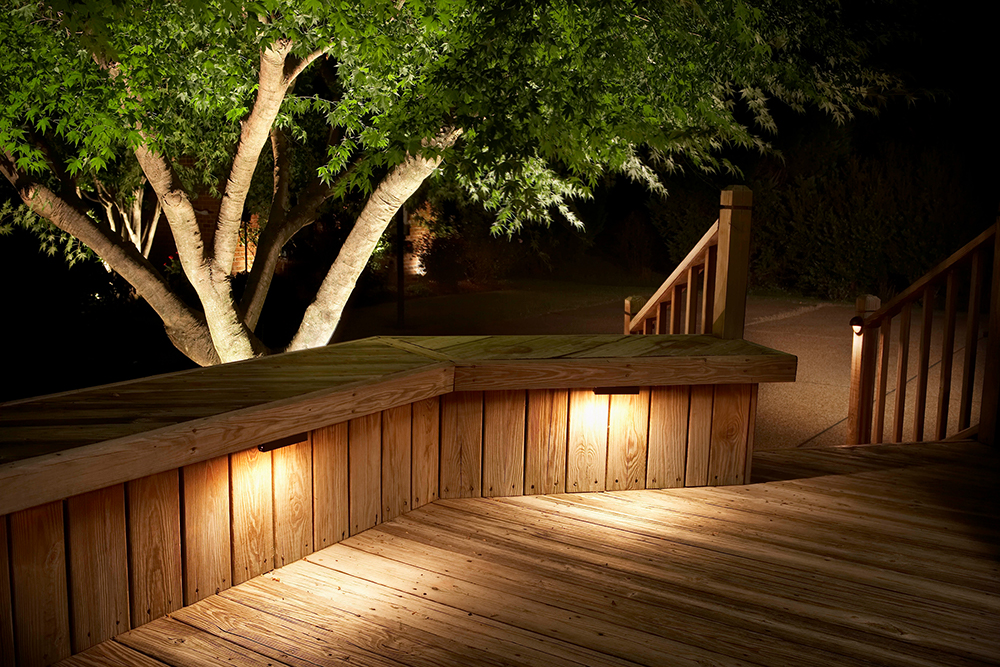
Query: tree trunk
[(323, 315)]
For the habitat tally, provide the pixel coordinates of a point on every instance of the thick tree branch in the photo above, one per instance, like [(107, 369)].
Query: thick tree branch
[(323, 314), (272, 240), (185, 327), (271, 89), (232, 340), (305, 62)]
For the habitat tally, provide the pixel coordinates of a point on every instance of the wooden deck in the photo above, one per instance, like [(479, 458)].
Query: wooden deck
[(882, 555)]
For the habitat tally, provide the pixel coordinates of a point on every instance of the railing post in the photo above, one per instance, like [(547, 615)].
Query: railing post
[(988, 431), (863, 353), (733, 262), (628, 316)]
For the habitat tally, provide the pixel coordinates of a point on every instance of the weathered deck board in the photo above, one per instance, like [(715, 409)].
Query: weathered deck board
[(886, 558)]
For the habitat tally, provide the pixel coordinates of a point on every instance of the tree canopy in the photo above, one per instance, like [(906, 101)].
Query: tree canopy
[(525, 104)]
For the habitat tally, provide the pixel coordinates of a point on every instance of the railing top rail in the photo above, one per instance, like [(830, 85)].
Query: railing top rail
[(914, 291), (710, 238)]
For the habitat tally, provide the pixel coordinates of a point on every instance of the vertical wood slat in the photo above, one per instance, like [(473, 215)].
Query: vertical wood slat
[(586, 456), (677, 309), (546, 441), (708, 289), (253, 514), (503, 443), (947, 351), (364, 442), (293, 503), (331, 519), (98, 569), (426, 436), (730, 424), (691, 309), (38, 585), (649, 326), (207, 539), (923, 361), (628, 437), (902, 369), (6, 610), (628, 317), (752, 427), (397, 426), (461, 444), (883, 379), (989, 433), (663, 317), (668, 435), (971, 341), (699, 435), (154, 527)]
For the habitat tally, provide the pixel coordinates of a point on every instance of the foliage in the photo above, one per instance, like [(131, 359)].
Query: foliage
[(52, 241), (545, 98)]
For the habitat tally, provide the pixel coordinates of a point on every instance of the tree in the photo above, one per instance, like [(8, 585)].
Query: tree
[(523, 103)]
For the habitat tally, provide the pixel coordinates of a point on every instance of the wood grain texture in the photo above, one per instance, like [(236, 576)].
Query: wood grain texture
[(154, 530), (98, 566), (751, 434), (293, 503), (207, 538), (38, 585), (587, 455), (649, 371), (111, 654), (902, 364), (882, 383), (733, 262), (691, 301), (365, 481), (461, 444), (546, 441), (177, 643), (426, 451), (628, 436), (397, 461), (253, 514), (503, 443), (6, 608), (36, 480), (923, 363), (699, 436), (730, 424), (947, 358), (971, 340), (331, 516), (668, 433)]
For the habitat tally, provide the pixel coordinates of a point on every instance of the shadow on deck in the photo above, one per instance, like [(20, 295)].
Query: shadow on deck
[(881, 555)]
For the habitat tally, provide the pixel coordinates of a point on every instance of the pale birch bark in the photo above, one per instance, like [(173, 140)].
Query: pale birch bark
[(323, 314)]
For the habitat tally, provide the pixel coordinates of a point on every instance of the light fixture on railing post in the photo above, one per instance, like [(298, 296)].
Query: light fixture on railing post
[(858, 324)]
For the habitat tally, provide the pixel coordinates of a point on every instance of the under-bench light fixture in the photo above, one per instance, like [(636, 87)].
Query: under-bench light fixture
[(601, 391), (283, 442)]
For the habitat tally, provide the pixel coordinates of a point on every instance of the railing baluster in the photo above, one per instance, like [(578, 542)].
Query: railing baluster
[(708, 289), (691, 312), (676, 310), (883, 379), (663, 317), (947, 351), (628, 316), (920, 407), (971, 341), (901, 372)]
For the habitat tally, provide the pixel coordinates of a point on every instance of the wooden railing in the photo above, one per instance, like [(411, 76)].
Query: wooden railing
[(873, 327), (707, 291)]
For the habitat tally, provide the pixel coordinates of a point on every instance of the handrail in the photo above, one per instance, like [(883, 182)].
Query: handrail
[(715, 304), (915, 291), (867, 408), (695, 258)]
